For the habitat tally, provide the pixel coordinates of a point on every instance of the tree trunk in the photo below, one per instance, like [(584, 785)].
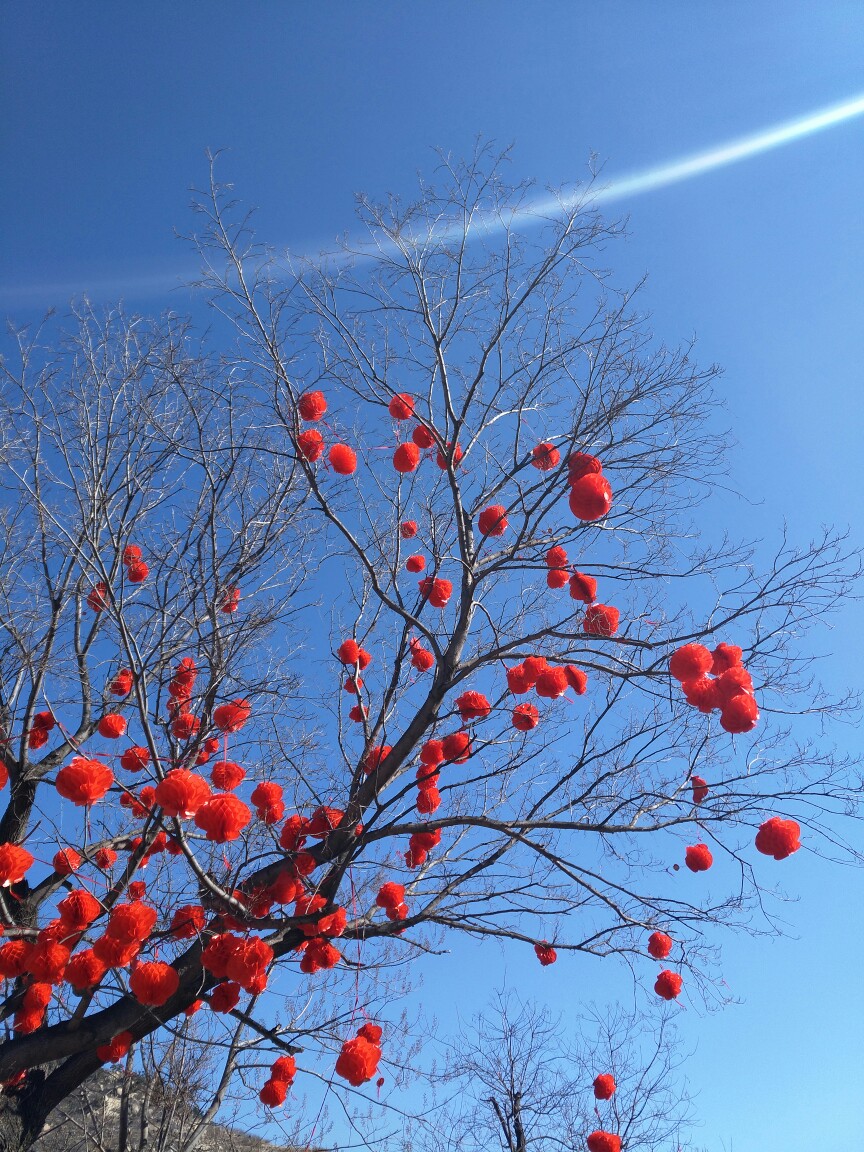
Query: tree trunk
[(22, 1113)]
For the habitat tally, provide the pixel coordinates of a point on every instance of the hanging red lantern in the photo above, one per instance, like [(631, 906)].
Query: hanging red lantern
[(700, 789), (600, 1141), (343, 459), (591, 497), (668, 985), (406, 458), (79, 909), (181, 793), (601, 620), (525, 717), (97, 599), (267, 798), (778, 838), (83, 781), (552, 683), (188, 921), (725, 656), (604, 1086), (545, 953), (545, 456), (66, 861), (581, 464), (401, 406), (105, 858), (690, 662), (659, 945), (14, 862), (131, 554), (422, 437), (408, 529), (231, 717), (473, 706), (492, 521), (85, 970), (310, 445), (698, 858), (583, 588), (451, 448), (185, 726), (456, 747), (348, 652), (115, 1049), (223, 817), (518, 680), (137, 573), (311, 406), (135, 759), (273, 1093), (154, 983), (131, 921), (415, 563), (358, 1061), (112, 726), (436, 591), (739, 715), (121, 685), (576, 679)]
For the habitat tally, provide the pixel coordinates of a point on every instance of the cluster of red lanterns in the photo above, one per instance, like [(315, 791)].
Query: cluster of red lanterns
[(717, 681), (282, 1073), (310, 443), (41, 725), (590, 491), (136, 569), (184, 724), (391, 897), (549, 681)]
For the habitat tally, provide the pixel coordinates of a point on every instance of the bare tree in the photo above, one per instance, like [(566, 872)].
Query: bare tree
[(515, 1081), (274, 551)]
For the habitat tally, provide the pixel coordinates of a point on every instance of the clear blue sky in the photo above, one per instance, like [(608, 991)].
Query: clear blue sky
[(107, 110)]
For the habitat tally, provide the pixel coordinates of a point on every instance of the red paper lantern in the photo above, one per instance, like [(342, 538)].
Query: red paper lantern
[(436, 591), (576, 679), (181, 793), (778, 838), (659, 945), (310, 445), (604, 1086), (473, 706), (690, 662), (583, 588), (525, 717), (14, 862), (406, 458), (83, 781), (545, 456), (545, 953), (740, 714), (223, 817), (401, 406), (415, 563), (422, 437), (311, 406), (121, 685), (231, 717), (552, 683), (698, 858), (112, 726), (668, 985), (342, 459), (600, 1141), (115, 1049), (601, 620), (408, 529), (135, 759), (591, 497), (153, 984), (492, 521)]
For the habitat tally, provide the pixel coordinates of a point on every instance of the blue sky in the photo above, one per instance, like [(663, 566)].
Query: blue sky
[(107, 111)]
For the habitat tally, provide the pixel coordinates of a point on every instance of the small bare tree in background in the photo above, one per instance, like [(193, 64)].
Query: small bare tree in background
[(515, 1081)]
